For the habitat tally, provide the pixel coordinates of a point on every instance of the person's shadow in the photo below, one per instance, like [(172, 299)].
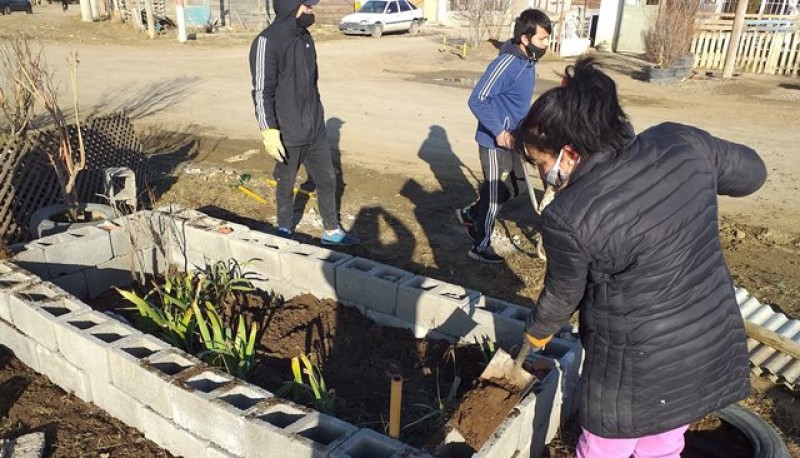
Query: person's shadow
[(435, 211)]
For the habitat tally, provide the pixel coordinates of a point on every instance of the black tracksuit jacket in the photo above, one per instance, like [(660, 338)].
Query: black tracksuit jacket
[(283, 67), (634, 241)]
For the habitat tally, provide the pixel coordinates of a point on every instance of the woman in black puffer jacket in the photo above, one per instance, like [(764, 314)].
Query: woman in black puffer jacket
[(632, 239)]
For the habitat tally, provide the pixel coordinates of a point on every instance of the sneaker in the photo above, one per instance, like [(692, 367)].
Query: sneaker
[(284, 233), (488, 256), (340, 238), (468, 223)]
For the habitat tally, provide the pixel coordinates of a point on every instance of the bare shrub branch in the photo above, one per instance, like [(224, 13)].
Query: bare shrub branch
[(671, 31), (16, 103), (36, 78)]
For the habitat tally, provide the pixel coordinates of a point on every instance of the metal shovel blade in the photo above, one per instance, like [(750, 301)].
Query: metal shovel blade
[(503, 371)]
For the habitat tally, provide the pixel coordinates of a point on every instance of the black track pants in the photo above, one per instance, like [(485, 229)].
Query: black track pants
[(318, 163), (501, 174)]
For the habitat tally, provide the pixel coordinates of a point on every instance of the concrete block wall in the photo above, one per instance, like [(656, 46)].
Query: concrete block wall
[(170, 395)]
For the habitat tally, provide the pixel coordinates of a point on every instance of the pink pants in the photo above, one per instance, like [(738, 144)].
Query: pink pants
[(665, 445)]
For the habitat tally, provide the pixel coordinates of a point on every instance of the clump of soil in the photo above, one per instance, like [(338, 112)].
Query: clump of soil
[(481, 412), (29, 402)]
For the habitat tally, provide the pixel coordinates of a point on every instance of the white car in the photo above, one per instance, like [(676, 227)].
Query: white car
[(378, 16)]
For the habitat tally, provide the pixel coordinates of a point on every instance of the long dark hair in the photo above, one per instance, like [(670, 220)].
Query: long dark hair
[(584, 113)]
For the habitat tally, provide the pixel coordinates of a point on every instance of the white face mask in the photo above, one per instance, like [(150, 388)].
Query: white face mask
[(554, 176)]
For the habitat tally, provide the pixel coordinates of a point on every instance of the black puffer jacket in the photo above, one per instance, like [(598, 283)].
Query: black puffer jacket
[(635, 241), (283, 67)]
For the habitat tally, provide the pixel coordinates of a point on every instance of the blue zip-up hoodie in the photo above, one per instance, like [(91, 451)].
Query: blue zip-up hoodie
[(503, 95)]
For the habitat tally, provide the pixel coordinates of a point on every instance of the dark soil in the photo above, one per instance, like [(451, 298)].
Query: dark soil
[(481, 412), (73, 428)]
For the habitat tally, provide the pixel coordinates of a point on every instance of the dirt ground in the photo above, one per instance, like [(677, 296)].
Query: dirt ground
[(398, 124)]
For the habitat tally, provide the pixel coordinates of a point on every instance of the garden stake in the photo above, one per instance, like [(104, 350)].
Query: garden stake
[(395, 401)]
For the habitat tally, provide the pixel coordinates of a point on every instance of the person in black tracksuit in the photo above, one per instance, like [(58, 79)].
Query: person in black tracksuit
[(283, 66), (632, 239), (499, 101)]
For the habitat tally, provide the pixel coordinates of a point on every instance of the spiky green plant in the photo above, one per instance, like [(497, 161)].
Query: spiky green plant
[(314, 389), (233, 351), (174, 321)]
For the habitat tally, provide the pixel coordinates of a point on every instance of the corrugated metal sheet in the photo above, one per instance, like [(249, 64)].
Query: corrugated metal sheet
[(764, 360)]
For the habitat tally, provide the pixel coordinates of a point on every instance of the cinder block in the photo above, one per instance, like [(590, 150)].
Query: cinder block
[(211, 237), (311, 269), (191, 401), (89, 349), (369, 285), (142, 382), (75, 284), (132, 231), (5, 268), (567, 353), (266, 428), (260, 255), (229, 408), (505, 439), (318, 434), (117, 403), (170, 436), (63, 374), (504, 325), (77, 250), (10, 283), (172, 362), (536, 411), (24, 347), (420, 332), (32, 258), (212, 451), (437, 305), (114, 272), (367, 443), (69, 327), (35, 312)]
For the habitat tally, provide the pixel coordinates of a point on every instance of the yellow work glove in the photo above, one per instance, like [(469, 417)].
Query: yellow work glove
[(273, 144), (537, 343)]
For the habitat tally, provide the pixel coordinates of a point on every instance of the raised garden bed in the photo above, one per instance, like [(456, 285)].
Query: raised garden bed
[(357, 358), (383, 321)]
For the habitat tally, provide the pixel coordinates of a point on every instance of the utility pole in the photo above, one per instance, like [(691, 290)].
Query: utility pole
[(181, 21), (736, 35), (151, 21)]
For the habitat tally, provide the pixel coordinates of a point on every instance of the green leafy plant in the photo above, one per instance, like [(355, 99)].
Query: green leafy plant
[(184, 310), (174, 321), (221, 278), (315, 389), (233, 351), (487, 348)]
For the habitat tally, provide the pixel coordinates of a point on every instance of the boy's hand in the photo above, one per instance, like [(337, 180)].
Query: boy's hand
[(505, 140)]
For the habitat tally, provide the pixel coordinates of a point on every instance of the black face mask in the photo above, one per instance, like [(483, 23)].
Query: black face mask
[(535, 52), (305, 20)]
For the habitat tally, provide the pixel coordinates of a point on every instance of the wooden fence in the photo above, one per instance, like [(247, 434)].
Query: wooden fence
[(769, 44), (28, 182)]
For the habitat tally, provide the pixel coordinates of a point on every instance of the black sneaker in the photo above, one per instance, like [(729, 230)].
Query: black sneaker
[(488, 256), (468, 223)]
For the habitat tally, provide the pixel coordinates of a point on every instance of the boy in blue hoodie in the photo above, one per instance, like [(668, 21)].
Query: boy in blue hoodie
[(499, 101)]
